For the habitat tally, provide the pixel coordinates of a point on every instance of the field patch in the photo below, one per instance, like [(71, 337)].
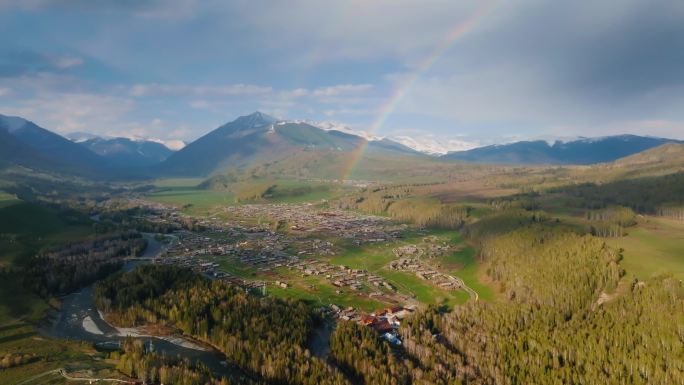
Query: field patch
[(655, 246), (25, 228), (39, 355), (17, 302), (192, 199), (460, 263)]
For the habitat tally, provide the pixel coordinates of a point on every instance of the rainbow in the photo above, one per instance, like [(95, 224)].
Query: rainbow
[(403, 88)]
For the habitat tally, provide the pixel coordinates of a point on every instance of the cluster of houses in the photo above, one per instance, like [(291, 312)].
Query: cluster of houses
[(208, 269), (342, 276), (306, 218), (422, 271), (385, 321), (429, 249), (212, 270)]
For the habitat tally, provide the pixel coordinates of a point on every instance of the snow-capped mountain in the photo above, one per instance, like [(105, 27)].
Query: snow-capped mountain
[(335, 126), (434, 146), (128, 151), (80, 137), (426, 144)]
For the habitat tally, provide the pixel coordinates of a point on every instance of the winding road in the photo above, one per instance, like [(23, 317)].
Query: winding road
[(473, 294)]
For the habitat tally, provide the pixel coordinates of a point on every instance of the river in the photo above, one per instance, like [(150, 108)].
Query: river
[(68, 322)]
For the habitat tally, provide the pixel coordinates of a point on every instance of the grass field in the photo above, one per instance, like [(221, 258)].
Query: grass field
[(655, 246), (183, 192), (46, 355), (16, 302), (194, 200), (318, 291), (297, 191), (26, 228), (181, 183), (461, 264)]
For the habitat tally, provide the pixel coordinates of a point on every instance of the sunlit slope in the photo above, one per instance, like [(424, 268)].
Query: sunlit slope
[(260, 140)]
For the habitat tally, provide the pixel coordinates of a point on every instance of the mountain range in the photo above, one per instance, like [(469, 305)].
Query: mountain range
[(258, 140), (26, 144), (127, 152), (581, 151)]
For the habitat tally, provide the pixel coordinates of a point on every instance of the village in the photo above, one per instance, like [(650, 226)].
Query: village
[(280, 245)]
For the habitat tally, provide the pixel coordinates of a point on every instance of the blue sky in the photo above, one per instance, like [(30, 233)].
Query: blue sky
[(478, 71)]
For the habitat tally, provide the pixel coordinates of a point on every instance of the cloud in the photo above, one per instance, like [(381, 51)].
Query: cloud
[(155, 9), (19, 62), (198, 90), (64, 62), (342, 89), (66, 113), (528, 67)]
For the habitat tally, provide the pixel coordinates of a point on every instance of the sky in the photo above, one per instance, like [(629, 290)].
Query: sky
[(457, 71)]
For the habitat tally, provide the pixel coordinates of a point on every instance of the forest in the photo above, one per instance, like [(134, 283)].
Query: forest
[(649, 195), (67, 268), (263, 336), (401, 203), (573, 320), (564, 313)]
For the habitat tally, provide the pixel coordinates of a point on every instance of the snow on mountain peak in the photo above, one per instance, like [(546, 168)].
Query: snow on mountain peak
[(426, 144), (333, 126), (434, 146), (79, 137)]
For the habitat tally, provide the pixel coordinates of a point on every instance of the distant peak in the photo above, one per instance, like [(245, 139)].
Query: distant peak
[(256, 119), (80, 136)]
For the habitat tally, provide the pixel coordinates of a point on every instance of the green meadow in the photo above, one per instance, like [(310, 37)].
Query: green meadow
[(43, 357), (187, 194), (319, 292), (461, 264), (655, 246), (25, 229)]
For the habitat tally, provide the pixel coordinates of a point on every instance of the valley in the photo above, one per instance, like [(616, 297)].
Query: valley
[(295, 270), (444, 192)]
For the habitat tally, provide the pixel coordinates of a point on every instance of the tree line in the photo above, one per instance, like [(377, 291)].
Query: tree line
[(66, 269), (263, 336)]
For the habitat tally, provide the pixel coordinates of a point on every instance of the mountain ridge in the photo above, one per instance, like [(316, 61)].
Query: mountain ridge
[(260, 138), (580, 151)]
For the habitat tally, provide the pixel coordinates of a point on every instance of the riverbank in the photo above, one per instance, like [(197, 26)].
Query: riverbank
[(149, 331), (78, 319)]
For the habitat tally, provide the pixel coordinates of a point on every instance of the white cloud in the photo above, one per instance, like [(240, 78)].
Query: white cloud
[(198, 90), (65, 62), (355, 29), (342, 89), (69, 112), (349, 111)]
